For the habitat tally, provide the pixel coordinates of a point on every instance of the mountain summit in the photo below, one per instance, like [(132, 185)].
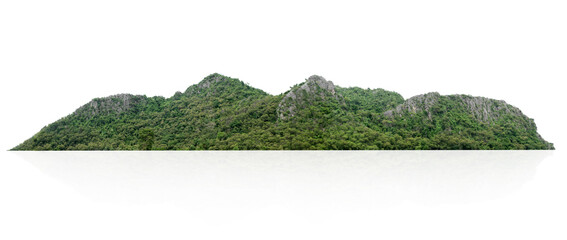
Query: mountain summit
[(223, 113), (314, 89)]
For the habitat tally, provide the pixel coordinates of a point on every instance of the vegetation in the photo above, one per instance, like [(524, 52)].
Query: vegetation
[(222, 113)]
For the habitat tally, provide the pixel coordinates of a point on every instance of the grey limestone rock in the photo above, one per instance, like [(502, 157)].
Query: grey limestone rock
[(422, 102), (213, 78), (314, 88), (482, 109), (485, 109), (112, 104)]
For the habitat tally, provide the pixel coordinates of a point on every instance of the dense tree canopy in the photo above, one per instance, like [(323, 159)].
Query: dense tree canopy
[(222, 113)]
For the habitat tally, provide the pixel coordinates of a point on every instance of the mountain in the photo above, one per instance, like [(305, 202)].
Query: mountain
[(223, 113)]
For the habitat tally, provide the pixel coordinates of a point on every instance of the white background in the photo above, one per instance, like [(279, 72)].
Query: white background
[(57, 55)]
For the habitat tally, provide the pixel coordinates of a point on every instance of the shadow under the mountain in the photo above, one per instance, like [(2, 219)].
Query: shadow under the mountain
[(311, 178)]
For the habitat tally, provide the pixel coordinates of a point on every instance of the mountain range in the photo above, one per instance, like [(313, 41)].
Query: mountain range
[(224, 113)]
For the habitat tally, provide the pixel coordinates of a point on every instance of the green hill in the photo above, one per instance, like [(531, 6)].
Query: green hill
[(223, 113)]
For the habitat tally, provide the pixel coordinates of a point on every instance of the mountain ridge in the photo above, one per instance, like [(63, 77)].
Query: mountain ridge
[(221, 112)]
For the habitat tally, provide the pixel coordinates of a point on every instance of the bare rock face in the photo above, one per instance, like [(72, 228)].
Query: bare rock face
[(314, 88), (112, 104), (485, 109), (320, 82), (423, 102), (211, 79), (482, 109)]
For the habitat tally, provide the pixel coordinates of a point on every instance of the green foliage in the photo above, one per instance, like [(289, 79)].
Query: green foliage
[(370, 100), (222, 113), (146, 138)]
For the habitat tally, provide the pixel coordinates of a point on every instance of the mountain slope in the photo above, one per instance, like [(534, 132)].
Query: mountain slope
[(224, 113), (446, 120)]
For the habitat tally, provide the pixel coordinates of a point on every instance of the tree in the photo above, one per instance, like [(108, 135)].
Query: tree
[(146, 138)]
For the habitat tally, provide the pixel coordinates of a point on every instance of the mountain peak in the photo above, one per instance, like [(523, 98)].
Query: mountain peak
[(212, 79), (222, 87), (321, 82), (313, 89)]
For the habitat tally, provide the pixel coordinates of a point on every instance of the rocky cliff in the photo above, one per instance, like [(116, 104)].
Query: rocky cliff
[(114, 104), (480, 108), (315, 88)]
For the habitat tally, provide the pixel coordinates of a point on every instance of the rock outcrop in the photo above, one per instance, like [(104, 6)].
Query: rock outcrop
[(486, 110), (112, 104), (423, 102), (313, 89), (482, 109), (206, 83), (211, 79)]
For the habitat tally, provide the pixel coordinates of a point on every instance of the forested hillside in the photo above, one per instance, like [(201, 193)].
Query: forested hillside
[(223, 113)]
